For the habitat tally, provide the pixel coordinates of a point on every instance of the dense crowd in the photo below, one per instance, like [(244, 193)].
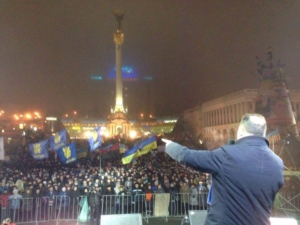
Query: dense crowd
[(152, 173), (155, 170), (152, 169)]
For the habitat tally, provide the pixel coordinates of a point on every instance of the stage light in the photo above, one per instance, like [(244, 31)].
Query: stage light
[(88, 134), (132, 134)]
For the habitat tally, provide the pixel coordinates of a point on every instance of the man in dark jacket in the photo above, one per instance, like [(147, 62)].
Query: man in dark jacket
[(137, 198), (94, 203), (246, 175), (63, 203), (50, 201)]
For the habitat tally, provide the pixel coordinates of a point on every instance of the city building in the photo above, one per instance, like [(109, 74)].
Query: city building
[(216, 121), (80, 128)]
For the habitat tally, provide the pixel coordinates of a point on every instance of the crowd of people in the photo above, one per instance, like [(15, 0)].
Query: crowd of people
[(152, 173)]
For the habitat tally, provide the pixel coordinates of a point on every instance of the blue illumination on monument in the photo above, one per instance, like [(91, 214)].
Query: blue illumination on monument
[(96, 78), (128, 74), (148, 78)]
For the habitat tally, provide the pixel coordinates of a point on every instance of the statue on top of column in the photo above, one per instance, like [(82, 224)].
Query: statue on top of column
[(119, 14)]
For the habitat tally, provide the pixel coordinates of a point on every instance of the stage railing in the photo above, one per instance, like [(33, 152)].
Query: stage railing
[(150, 205), (287, 204)]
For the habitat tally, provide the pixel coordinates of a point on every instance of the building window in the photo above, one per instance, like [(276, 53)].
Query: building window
[(250, 106), (225, 135), (232, 133)]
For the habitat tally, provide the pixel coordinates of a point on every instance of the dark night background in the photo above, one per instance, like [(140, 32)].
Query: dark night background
[(194, 50)]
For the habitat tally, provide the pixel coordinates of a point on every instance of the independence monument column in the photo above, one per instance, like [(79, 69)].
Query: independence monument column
[(119, 39), (118, 124)]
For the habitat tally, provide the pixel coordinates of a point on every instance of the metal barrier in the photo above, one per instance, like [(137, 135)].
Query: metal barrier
[(178, 206), (44, 209), (117, 204), (41, 209), (287, 204)]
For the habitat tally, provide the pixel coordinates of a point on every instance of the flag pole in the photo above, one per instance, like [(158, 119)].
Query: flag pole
[(100, 159)]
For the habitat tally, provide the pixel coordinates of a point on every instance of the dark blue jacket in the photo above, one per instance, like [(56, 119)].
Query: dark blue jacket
[(245, 178), (63, 199)]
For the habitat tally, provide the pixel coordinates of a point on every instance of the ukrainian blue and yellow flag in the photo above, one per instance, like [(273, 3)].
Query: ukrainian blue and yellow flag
[(68, 154), (95, 139), (130, 154), (147, 145), (140, 148), (122, 148), (59, 140), (39, 150)]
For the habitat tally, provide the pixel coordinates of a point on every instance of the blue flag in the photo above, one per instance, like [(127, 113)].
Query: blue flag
[(39, 150), (67, 154), (95, 139), (59, 140)]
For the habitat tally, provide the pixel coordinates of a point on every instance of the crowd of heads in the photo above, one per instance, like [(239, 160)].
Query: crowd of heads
[(155, 172)]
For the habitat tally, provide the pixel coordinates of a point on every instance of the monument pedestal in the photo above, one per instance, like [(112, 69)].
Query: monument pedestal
[(119, 124)]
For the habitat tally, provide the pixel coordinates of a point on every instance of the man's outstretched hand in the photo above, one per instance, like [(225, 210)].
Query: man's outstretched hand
[(166, 141), (161, 142)]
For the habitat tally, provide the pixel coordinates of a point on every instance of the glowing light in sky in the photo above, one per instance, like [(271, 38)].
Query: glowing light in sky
[(127, 73)]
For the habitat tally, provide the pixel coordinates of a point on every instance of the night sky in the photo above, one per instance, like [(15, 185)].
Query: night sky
[(195, 50)]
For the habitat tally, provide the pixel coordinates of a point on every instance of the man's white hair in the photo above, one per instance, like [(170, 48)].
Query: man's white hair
[(254, 124)]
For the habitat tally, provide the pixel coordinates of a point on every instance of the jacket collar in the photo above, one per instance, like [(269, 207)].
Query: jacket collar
[(251, 139)]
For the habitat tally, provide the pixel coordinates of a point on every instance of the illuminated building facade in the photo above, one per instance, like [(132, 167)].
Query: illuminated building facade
[(217, 121), (79, 128), (14, 125)]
